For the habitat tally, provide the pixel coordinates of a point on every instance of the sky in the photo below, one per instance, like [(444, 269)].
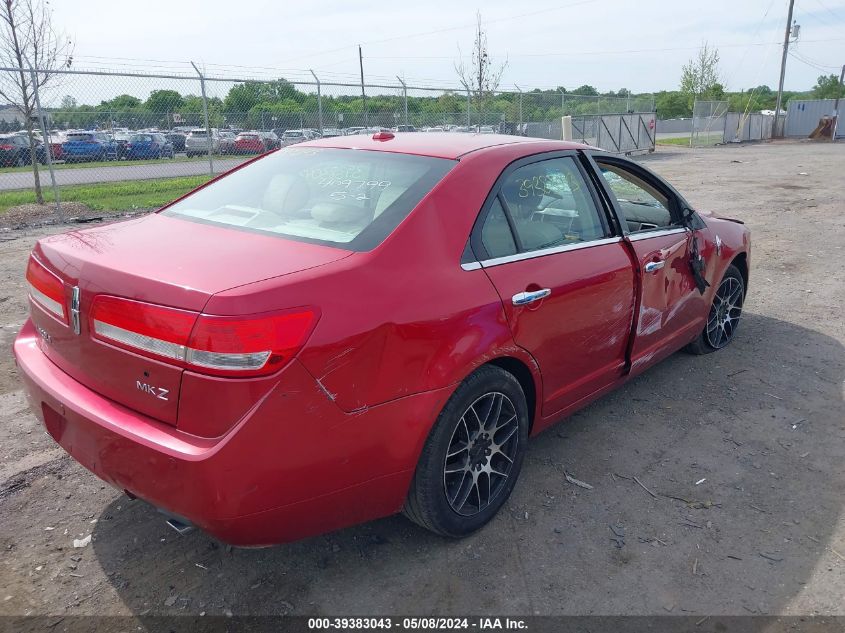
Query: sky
[(639, 45)]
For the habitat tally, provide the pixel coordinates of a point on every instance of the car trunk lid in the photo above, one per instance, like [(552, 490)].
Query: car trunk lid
[(156, 260)]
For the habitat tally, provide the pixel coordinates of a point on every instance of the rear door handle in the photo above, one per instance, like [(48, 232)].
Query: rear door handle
[(653, 267), (524, 298)]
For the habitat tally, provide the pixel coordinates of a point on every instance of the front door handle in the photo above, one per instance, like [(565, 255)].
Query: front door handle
[(653, 267), (524, 298)]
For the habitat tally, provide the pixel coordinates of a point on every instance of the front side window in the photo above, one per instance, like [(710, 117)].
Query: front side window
[(338, 197), (643, 206)]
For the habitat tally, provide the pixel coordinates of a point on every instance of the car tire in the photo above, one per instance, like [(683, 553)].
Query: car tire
[(724, 316), (472, 457), (21, 161)]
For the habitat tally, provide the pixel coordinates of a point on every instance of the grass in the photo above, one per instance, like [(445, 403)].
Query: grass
[(122, 163), (113, 196), (684, 141)]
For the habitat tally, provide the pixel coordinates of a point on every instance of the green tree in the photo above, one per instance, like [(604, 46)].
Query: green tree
[(828, 87), (672, 105), (700, 76), (161, 101), (585, 90)]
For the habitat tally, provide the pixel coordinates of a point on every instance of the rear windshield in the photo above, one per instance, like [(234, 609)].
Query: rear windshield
[(80, 137), (199, 133), (142, 138), (296, 133), (248, 136), (337, 197)]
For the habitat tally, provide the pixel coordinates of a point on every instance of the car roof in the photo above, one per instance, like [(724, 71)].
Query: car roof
[(450, 145)]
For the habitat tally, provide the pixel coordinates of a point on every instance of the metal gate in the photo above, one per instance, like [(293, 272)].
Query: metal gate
[(615, 133)]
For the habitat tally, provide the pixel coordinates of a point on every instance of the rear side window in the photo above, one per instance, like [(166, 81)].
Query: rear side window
[(336, 197), (79, 137), (549, 205), (496, 233)]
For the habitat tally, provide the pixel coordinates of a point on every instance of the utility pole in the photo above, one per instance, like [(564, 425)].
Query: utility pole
[(836, 104), (779, 132), (363, 94)]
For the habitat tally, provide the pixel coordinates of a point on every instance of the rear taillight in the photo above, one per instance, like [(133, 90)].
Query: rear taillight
[(7, 147), (249, 345), (46, 289)]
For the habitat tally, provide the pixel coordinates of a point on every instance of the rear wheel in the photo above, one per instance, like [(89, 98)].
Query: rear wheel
[(21, 161), (724, 316), (472, 457)]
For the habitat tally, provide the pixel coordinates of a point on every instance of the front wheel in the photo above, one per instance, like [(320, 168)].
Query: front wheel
[(724, 316), (472, 457)]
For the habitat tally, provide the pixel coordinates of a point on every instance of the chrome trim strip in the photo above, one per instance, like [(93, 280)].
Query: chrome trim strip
[(74, 310), (471, 266), (141, 341), (201, 358), (51, 305), (497, 261), (649, 234)]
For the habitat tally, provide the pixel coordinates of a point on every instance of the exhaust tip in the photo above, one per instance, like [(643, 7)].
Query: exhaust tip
[(179, 526)]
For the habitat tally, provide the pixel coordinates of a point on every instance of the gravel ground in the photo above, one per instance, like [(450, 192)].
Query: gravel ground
[(742, 450)]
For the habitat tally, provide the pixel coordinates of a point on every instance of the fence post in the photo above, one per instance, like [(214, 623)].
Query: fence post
[(469, 105), (562, 103), (205, 116), (519, 129), (48, 150), (319, 101), (404, 97)]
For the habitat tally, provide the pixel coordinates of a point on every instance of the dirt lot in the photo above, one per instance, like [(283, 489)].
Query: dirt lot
[(753, 438)]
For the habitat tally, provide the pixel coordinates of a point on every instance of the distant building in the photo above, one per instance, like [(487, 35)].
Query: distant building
[(11, 116)]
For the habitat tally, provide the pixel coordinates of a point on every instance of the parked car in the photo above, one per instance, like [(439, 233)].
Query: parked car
[(122, 140), (14, 151), (329, 132), (149, 145), (405, 128), (271, 141), (352, 130), (233, 380), (227, 142), (81, 146), (198, 141), (249, 143), (177, 139), (292, 137)]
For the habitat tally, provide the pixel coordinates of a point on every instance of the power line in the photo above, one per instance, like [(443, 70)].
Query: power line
[(605, 51)]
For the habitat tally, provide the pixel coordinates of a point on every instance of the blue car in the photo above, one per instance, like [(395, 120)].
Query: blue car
[(89, 146), (149, 145)]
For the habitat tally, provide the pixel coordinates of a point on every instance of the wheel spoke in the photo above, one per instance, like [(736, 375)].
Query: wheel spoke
[(508, 435), (457, 451), (462, 493), (495, 411)]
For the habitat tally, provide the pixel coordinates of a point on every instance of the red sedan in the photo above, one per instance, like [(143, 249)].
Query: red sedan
[(249, 143), (358, 326)]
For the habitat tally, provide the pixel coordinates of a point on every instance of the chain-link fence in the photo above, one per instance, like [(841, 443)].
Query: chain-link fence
[(708, 122), (118, 140)]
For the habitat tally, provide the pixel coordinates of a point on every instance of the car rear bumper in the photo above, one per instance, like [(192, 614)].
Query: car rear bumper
[(295, 465)]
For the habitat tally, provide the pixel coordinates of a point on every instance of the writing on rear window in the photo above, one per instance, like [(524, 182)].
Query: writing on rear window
[(345, 197)]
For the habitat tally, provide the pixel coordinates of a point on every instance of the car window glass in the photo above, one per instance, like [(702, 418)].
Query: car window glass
[(329, 196), (643, 206), (550, 204), (496, 235)]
